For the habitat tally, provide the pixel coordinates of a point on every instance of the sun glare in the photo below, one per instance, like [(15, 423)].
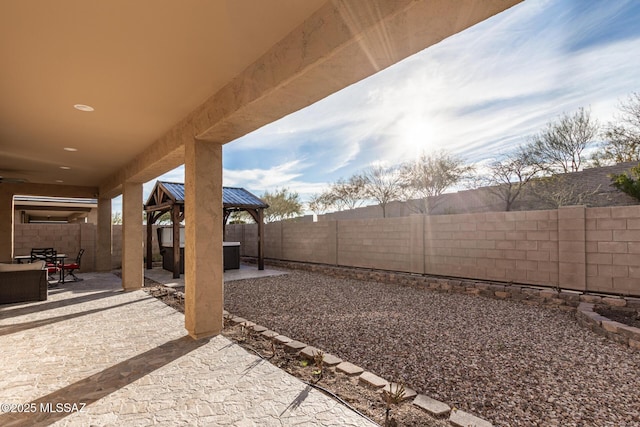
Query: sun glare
[(414, 136)]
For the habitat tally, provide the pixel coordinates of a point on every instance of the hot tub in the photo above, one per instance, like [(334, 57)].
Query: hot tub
[(230, 251)]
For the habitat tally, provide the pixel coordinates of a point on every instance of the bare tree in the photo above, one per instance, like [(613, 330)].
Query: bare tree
[(508, 177), (622, 137), (283, 204), (383, 184), (348, 194), (116, 218), (427, 177), (560, 146), (555, 191), (320, 203)]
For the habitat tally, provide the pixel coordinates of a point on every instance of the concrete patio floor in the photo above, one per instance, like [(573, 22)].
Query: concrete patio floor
[(94, 355), (160, 275)]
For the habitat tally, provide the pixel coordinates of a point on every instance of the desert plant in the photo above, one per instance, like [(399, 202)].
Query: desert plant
[(628, 182), (392, 397), (318, 361), (273, 349)]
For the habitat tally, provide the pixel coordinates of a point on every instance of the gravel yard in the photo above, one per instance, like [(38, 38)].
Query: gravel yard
[(507, 362)]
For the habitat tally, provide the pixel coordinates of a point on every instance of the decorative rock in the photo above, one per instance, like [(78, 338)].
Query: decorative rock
[(309, 352), (372, 380), (281, 339), (630, 331), (590, 298), (570, 295), (463, 419), (331, 360), (432, 406), (259, 328), (585, 306), (593, 317), (611, 326), (350, 369), (238, 320), (393, 387), (328, 359), (633, 302), (548, 294), (501, 294), (248, 324), (270, 334), (615, 302), (294, 346)]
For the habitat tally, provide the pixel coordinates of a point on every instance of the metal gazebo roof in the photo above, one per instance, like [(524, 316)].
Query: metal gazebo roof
[(232, 197), (169, 197)]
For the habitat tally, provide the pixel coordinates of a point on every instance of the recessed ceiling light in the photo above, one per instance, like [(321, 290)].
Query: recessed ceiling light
[(83, 107), (70, 149), (65, 167)]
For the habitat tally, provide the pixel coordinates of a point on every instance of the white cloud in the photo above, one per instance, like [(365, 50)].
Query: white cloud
[(276, 176)]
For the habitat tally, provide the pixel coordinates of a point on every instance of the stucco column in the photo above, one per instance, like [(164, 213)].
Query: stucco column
[(132, 235), (103, 243), (203, 270), (6, 226)]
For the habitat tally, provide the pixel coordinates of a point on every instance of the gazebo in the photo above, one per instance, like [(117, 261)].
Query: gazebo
[(169, 197)]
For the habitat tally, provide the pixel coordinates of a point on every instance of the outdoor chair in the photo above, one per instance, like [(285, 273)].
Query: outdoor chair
[(49, 256), (69, 269)]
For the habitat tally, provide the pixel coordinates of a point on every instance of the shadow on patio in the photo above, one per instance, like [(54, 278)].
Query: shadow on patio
[(126, 356)]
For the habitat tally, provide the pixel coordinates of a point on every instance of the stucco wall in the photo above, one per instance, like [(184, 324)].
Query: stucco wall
[(578, 248)]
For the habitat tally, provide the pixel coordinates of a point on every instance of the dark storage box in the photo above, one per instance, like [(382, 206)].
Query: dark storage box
[(231, 257)]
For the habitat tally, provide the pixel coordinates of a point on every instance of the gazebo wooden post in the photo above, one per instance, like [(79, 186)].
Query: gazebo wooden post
[(175, 221), (150, 220), (260, 239)]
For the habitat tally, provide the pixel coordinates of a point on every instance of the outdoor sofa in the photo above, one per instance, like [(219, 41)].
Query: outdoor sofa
[(23, 282)]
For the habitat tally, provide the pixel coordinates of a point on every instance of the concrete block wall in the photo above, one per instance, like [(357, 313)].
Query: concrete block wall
[(88, 233), (384, 244), (505, 246), (612, 246), (574, 248), (69, 239), (249, 240), (309, 242), (577, 248), (64, 238), (234, 234), (116, 246)]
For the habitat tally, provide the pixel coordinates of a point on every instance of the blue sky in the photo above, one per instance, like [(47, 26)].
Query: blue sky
[(476, 94)]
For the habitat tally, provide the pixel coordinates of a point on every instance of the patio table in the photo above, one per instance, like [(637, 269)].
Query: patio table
[(59, 258)]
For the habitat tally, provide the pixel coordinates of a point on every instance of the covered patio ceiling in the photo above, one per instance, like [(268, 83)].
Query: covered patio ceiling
[(157, 72)]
